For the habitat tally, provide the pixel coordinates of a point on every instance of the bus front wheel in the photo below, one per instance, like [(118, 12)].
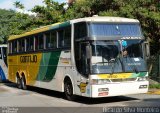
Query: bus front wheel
[(68, 90)]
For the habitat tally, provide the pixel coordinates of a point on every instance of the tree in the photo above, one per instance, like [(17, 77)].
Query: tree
[(19, 5), (50, 13)]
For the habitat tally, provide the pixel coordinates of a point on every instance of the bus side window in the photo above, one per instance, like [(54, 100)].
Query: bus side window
[(30, 41), (48, 44), (67, 37), (64, 37), (21, 45), (51, 39), (14, 46), (10, 47), (4, 52), (40, 41), (60, 38)]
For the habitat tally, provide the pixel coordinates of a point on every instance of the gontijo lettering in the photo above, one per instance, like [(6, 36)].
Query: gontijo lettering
[(28, 58)]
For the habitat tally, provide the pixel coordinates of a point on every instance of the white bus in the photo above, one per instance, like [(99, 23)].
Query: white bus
[(3, 62), (92, 57)]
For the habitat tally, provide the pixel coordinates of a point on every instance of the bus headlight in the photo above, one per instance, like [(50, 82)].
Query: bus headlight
[(142, 78), (100, 81)]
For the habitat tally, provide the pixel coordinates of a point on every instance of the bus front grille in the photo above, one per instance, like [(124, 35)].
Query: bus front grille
[(123, 80)]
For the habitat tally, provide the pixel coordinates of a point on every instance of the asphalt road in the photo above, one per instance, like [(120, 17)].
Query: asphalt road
[(36, 100)]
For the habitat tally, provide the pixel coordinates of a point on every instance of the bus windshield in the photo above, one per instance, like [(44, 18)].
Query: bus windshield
[(107, 57)]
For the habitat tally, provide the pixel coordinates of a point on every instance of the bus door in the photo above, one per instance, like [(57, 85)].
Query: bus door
[(82, 61), (3, 64)]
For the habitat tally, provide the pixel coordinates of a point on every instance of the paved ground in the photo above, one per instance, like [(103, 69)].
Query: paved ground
[(40, 99)]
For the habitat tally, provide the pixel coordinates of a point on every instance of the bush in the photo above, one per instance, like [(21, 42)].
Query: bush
[(156, 86)]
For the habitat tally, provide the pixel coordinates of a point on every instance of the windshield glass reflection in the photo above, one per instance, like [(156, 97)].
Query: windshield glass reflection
[(108, 57)]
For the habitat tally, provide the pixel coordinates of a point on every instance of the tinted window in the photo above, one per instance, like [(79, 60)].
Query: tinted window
[(67, 37), (30, 43), (40, 41), (64, 37), (14, 46), (51, 39), (61, 38), (10, 47), (21, 45), (4, 52), (80, 30)]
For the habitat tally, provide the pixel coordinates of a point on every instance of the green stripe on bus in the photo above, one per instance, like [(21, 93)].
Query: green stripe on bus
[(52, 66), (48, 66), (43, 66), (64, 24), (141, 74)]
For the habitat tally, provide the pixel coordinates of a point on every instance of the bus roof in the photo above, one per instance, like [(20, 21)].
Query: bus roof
[(39, 30), (87, 19), (105, 19)]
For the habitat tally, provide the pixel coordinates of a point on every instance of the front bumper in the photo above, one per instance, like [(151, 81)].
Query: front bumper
[(117, 89)]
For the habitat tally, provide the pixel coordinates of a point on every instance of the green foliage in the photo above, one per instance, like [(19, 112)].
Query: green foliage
[(50, 13), (155, 86), (18, 4), (5, 18)]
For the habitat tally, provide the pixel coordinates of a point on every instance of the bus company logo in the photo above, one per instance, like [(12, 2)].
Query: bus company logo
[(28, 59)]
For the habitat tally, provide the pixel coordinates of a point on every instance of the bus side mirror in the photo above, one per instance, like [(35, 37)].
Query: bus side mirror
[(147, 50), (88, 51), (88, 58)]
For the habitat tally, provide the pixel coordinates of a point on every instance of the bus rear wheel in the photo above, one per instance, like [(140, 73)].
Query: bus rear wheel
[(23, 81), (68, 90)]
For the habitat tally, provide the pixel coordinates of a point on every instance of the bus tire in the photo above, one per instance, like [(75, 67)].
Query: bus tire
[(68, 90), (23, 81), (19, 83)]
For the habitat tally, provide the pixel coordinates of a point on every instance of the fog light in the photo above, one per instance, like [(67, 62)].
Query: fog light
[(103, 89), (143, 86)]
